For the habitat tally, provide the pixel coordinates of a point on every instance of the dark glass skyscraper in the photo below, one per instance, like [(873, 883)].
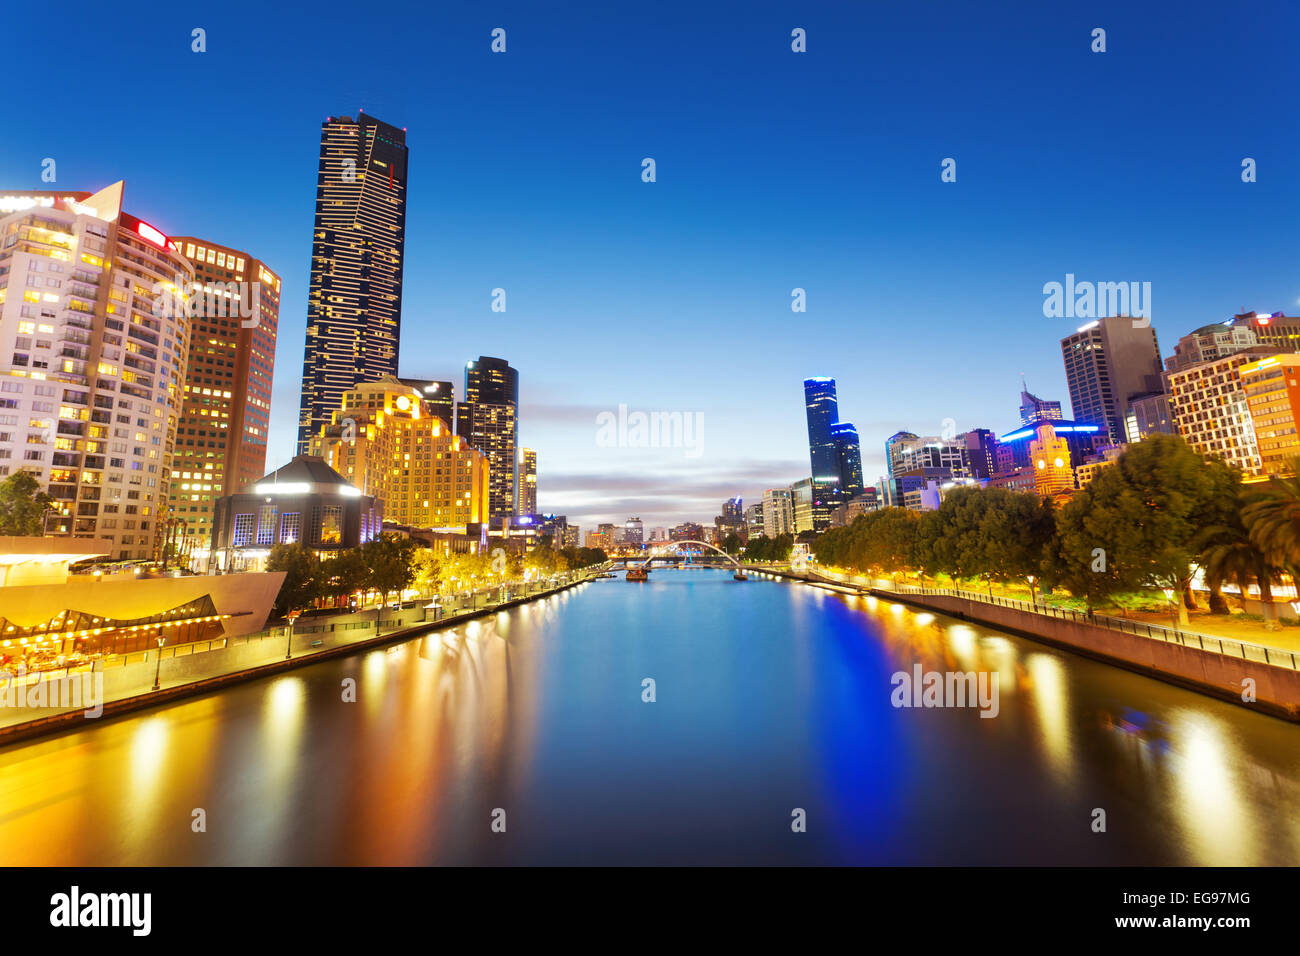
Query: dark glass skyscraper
[(489, 419), (833, 449), (849, 454), (823, 410), (354, 299)]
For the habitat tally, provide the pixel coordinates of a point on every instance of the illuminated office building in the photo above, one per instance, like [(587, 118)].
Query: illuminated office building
[(94, 338), (354, 295), (1273, 396), (527, 481), (221, 437), (488, 419)]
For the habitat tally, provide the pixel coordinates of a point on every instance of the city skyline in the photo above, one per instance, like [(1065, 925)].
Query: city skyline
[(664, 275)]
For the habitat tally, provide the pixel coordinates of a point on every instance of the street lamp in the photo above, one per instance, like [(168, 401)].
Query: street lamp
[(288, 646), (157, 671)]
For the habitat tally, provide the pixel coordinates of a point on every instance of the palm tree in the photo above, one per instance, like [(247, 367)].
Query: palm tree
[(1228, 553), (1272, 516)]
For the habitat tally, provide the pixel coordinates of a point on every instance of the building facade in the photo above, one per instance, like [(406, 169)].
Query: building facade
[(94, 340), (1273, 397), (354, 295), (305, 502), (527, 481), (778, 512), (222, 434), (1050, 454), (1106, 362), (387, 442), (1211, 412), (488, 419)]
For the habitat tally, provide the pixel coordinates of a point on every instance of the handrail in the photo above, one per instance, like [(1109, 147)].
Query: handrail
[(1246, 650)]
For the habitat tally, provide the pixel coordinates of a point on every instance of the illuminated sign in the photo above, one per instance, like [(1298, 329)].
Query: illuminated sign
[(152, 234)]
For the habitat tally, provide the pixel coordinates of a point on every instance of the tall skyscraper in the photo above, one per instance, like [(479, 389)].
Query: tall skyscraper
[(833, 450), (222, 433), (94, 337), (848, 452), (489, 419), (1108, 361), (823, 411), (354, 299), (527, 481)]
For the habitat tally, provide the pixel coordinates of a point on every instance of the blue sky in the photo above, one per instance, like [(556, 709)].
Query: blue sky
[(775, 170)]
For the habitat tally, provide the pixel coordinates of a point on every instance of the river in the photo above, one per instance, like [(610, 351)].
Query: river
[(525, 738)]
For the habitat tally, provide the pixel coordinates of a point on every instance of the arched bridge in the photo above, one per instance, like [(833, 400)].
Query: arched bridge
[(674, 545)]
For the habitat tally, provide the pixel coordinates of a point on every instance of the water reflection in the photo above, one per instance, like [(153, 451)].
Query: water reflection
[(770, 696)]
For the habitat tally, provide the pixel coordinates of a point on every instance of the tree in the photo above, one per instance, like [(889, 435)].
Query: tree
[(1135, 524), (301, 585), (1228, 553), (733, 543), (342, 574), (23, 505), (1271, 516), (391, 560)]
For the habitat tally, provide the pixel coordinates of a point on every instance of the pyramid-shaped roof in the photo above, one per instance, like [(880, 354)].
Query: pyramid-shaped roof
[(310, 469)]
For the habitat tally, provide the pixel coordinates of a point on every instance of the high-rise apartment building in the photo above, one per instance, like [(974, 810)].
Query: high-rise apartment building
[(754, 521), (386, 440), (801, 506), (488, 419), (778, 512), (634, 532), (1107, 361), (94, 337), (222, 434), (1273, 396), (354, 296), (527, 481), (1210, 409)]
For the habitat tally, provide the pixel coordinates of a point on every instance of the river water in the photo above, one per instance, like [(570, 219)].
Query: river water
[(525, 737)]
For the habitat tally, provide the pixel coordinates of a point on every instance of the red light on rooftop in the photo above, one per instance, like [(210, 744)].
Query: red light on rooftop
[(152, 234)]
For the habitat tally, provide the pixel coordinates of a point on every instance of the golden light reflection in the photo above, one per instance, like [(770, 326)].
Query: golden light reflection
[(1209, 807), (1049, 690)]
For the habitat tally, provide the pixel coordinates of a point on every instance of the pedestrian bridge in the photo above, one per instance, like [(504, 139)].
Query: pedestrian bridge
[(663, 553)]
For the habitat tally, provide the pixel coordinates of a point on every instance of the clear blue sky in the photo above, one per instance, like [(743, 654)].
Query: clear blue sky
[(775, 170)]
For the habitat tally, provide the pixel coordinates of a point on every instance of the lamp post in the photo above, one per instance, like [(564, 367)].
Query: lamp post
[(157, 671), (288, 646)]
